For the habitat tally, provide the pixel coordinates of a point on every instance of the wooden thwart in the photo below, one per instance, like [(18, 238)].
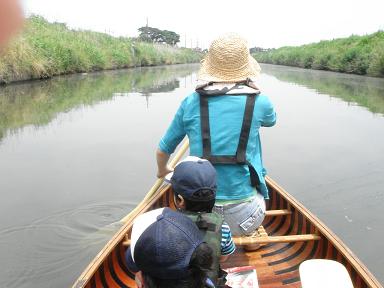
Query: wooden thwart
[(241, 241), (281, 212), (274, 239), (261, 237)]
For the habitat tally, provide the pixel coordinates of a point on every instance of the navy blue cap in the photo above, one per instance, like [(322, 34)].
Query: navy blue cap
[(193, 175), (164, 248)]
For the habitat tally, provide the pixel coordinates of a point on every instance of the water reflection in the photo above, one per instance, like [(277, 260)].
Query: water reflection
[(363, 91), (38, 103)]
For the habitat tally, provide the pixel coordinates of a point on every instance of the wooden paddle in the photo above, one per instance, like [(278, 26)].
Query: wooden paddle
[(159, 181)]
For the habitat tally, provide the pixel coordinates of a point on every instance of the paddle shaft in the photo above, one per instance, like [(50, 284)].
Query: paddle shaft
[(159, 181)]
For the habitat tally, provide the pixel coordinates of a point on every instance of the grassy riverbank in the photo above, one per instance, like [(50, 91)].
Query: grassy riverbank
[(363, 55), (46, 49)]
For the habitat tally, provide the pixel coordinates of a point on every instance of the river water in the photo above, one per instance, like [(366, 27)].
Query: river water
[(77, 154)]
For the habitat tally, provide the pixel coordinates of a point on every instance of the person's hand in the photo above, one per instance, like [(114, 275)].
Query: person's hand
[(162, 172)]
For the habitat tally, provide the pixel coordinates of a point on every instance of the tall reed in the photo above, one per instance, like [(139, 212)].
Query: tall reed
[(46, 49)]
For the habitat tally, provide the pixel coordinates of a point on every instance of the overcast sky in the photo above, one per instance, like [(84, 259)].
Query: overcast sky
[(267, 23)]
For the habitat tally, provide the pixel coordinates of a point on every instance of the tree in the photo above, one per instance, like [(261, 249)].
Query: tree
[(171, 37), (150, 34)]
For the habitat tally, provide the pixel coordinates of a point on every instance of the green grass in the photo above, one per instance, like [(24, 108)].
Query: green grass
[(363, 55), (46, 49)]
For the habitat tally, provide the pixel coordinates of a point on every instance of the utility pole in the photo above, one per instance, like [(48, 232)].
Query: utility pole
[(185, 40), (147, 21)]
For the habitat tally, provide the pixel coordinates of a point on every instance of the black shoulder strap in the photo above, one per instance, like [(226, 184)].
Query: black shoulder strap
[(240, 157), (205, 128), (245, 128)]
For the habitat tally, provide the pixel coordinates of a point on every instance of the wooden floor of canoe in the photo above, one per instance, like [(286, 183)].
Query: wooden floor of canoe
[(276, 263)]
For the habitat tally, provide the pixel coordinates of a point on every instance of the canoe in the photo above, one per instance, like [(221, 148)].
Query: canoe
[(292, 235)]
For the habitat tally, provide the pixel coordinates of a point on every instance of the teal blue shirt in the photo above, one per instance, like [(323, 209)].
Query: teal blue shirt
[(225, 118)]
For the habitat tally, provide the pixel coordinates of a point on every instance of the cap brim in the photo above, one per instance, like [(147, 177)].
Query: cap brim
[(129, 260), (189, 158)]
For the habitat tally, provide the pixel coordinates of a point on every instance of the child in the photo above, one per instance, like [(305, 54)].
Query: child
[(194, 186), (167, 251)]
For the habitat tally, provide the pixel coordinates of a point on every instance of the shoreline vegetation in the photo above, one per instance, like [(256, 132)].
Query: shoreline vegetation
[(46, 49), (362, 55)]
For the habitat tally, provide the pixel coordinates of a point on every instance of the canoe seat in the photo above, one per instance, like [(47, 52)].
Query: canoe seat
[(280, 212), (316, 273), (261, 237)]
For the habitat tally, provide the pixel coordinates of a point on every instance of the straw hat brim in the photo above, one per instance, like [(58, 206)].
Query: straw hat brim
[(209, 72)]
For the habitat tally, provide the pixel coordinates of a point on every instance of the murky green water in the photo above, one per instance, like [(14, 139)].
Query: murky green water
[(77, 153)]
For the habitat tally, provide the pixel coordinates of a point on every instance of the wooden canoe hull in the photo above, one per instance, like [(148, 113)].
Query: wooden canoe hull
[(276, 263)]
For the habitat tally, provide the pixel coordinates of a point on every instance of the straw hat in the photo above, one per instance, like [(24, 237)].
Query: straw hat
[(228, 60)]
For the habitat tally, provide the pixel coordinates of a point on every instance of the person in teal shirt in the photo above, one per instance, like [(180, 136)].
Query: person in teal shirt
[(228, 71)]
